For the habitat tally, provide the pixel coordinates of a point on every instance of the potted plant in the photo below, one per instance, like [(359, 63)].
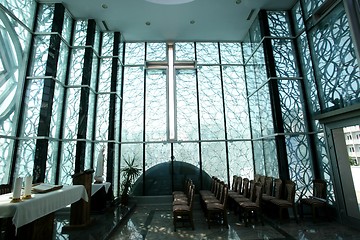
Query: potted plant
[(130, 172)]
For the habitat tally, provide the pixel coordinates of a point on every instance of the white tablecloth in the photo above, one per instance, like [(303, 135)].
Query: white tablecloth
[(97, 186), (40, 205)]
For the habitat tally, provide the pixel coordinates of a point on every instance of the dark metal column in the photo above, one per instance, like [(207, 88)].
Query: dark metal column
[(41, 150), (274, 98), (84, 98)]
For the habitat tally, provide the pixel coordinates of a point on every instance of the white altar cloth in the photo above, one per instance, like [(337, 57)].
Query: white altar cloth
[(40, 204), (97, 186)]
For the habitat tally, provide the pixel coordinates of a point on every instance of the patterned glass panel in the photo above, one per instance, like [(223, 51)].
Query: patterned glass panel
[(155, 106), (52, 154), (300, 171), (88, 156), (213, 154), (187, 152), (310, 5), (72, 113), (32, 109), (185, 51), (102, 117), (80, 33), (117, 118), (134, 53), (236, 107), (133, 104), (156, 52), (207, 53), (231, 53), (25, 156), (67, 26), (94, 70), (62, 62), (211, 105), (256, 71), (57, 112), (255, 116), (337, 69), (156, 153), (90, 116), (40, 55), (67, 165), (308, 72), (5, 159), (119, 77), (270, 158), (259, 161), (284, 56), (105, 76), (107, 44), (116, 173), (186, 102), (325, 166), (45, 18), (298, 19), (278, 24), (291, 106), (23, 10), (76, 69), (265, 111), (240, 159)]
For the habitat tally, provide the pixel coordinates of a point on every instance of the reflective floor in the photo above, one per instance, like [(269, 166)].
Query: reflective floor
[(154, 221)]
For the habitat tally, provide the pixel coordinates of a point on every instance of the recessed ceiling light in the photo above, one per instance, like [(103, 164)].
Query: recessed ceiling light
[(170, 2), (192, 22), (104, 6), (147, 23), (238, 1)]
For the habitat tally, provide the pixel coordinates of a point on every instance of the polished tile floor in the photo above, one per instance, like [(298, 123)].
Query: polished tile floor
[(154, 222)]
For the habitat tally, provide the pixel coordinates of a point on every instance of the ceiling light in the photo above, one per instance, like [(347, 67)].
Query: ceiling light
[(147, 23), (104, 6), (238, 1), (170, 2), (192, 22)]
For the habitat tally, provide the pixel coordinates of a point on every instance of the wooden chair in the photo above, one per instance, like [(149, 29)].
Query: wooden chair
[(317, 200), (288, 202), (267, 186), (184, 212), (243, 190), (252, 207), (275, 193), (217, 212)]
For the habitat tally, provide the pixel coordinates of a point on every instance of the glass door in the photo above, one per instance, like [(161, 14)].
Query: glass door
[(344, 146)]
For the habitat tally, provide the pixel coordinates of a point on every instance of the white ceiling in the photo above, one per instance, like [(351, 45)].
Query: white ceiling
[(215, 20)]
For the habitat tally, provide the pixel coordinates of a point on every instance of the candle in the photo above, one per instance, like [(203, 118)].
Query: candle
[(28, 185), (17, 188)]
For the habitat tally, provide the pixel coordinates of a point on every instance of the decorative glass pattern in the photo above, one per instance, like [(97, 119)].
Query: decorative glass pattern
[(52, 154), (213, 154), (211, 104), (33, 105), (207, 53), (236, 108), (72, 113), (25, 156), (107, 44), (337, 69), (185, 51), (267, 126), (102, 117), (155, 105), (231, 53), (67, 27), (156, 52), (308, 73), (186, 102), (90, 116), (259, 161), (62, 62), (45, 18), (23, 10), (284, 56), (270, 158), (133, 104), (5, 156), (77, 63), (105, 76), (240, 159), (67, 164), (291, 106), (80, 33), (187, 152), (300, 171), (134, 53), (57, 112), (40, 54), (94, 70), (298, 19), (156, 153), (278, 24), (311, 5)]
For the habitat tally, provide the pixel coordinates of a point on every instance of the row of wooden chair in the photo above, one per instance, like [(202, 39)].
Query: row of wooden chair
[(214, 202), (183, 205)]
